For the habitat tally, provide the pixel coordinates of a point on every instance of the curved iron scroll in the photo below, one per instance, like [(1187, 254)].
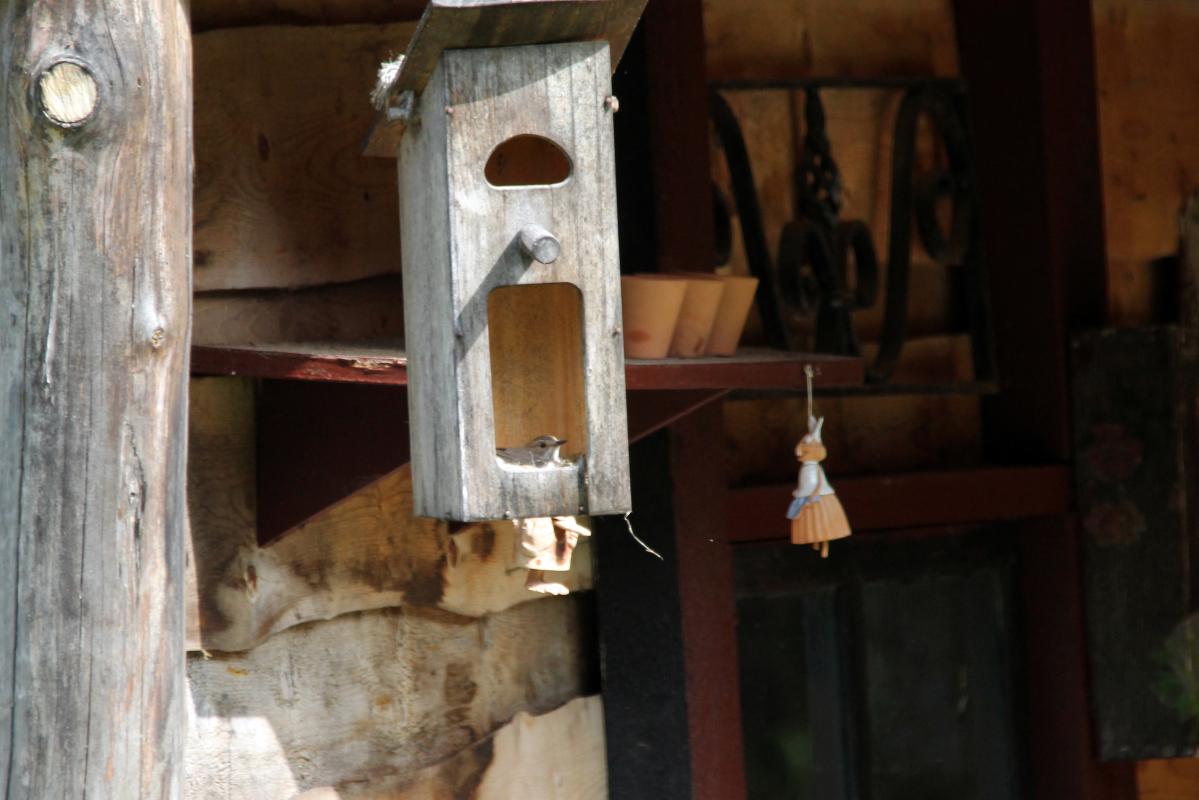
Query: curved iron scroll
[(812, 273)]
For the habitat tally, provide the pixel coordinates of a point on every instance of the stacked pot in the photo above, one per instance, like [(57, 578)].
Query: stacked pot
[(684, 315)]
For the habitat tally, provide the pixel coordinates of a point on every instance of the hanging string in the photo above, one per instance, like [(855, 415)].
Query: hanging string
[(637, 538), (810, 372)]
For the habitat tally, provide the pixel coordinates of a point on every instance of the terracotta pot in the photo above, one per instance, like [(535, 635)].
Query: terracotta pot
[(650, 310), (700, 304), (735, 303)]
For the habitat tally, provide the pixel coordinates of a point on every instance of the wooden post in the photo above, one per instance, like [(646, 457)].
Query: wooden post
[(95, 249)]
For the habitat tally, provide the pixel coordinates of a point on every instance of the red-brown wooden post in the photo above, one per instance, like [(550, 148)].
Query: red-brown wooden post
[(95, 250)]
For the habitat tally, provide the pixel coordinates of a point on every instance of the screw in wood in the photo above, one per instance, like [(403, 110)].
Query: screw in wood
[(67, 94)]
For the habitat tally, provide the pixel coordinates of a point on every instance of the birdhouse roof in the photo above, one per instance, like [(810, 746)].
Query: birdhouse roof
[(453, 24)]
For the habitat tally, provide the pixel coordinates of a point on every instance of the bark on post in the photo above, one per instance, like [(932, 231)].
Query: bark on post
[(95, 249)]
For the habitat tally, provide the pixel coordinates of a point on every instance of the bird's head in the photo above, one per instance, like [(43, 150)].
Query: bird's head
[(546, 444)]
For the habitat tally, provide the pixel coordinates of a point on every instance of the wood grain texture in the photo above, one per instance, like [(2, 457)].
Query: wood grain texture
[(1148, 95), (459, 246), (558, 755), (1134, 427), (790, 38), (370, 310), (366, 552), (1168, 779), (95, 247), (377, 694), (210, 14), (459, 24), (283, 196), (912, 500)]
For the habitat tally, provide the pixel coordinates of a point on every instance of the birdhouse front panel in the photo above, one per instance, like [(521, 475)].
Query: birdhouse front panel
[(511, 286)]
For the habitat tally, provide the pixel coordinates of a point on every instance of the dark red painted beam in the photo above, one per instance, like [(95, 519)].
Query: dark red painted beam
[(351, 363), (912, 500)]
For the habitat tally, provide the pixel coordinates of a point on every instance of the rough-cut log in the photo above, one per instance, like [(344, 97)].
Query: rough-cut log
[(95, 244), (553, 756), (366, 552), (376, 694), (284, 197)]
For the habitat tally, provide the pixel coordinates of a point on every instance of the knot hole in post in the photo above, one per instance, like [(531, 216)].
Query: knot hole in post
[(67, 94)]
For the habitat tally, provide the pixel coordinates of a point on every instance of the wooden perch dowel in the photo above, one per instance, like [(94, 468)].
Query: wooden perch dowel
[(95, 254), (539, 244)]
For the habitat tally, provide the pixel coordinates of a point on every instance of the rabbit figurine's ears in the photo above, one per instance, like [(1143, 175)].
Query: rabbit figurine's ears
[(814, 426)]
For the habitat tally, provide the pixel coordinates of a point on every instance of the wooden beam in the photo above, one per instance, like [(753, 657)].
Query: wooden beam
[(1035, 133), (1059, 735), (95, 250), (709, 615), (912, 500), (667, 633), (209, 14)]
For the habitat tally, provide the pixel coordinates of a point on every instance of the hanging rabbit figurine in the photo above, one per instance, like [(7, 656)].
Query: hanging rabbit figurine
[(816, 514)]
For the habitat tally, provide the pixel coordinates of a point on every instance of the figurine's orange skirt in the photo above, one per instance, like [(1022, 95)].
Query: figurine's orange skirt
[(820, 521)]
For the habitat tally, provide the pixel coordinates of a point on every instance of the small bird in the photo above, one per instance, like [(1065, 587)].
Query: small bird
[(544, 451)]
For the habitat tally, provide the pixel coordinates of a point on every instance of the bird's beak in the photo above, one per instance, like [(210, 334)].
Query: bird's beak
[(559, 442)]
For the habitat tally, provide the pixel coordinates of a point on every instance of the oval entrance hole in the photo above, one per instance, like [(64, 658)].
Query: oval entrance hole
[(527, 160)]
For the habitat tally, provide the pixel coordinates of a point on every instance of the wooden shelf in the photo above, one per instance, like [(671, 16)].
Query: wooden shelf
[(388, 365)]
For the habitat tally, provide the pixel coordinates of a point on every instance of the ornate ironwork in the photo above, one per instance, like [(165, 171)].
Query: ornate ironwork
[(811, 276)]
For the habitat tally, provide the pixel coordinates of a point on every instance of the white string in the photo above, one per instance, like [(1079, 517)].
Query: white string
[(809, 372), (637, 538)]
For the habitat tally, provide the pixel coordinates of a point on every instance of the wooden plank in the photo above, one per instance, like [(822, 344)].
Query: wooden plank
[(912, 500), (456, 24), (359, 362), (1148, 96), (1168, 779), (522, 759), (365, 552), (675, 85), (1060, 732), (709, 618), (209, 14), (866, 38), (394, 691), (1034, 135), (1135, 403), (370, 310), (283, 197), (641, 641), (95, 246)]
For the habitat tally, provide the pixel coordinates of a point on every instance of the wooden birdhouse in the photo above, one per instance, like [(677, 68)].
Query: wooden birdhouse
[(510, 259)]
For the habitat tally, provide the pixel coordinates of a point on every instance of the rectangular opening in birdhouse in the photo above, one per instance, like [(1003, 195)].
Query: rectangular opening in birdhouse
[(537, 386)]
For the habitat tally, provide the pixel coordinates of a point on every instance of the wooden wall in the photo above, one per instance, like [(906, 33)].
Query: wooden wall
[(367, 652), (1148, 76), (800, 38)]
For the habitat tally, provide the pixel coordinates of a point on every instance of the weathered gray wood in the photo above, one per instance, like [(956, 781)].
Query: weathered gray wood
[(459, 244), (381, 693), (463, 24), (95, 247)]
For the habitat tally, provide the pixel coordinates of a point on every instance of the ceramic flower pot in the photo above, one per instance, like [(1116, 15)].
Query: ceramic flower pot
[(731, 316), (651, 306), (700, 304)]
